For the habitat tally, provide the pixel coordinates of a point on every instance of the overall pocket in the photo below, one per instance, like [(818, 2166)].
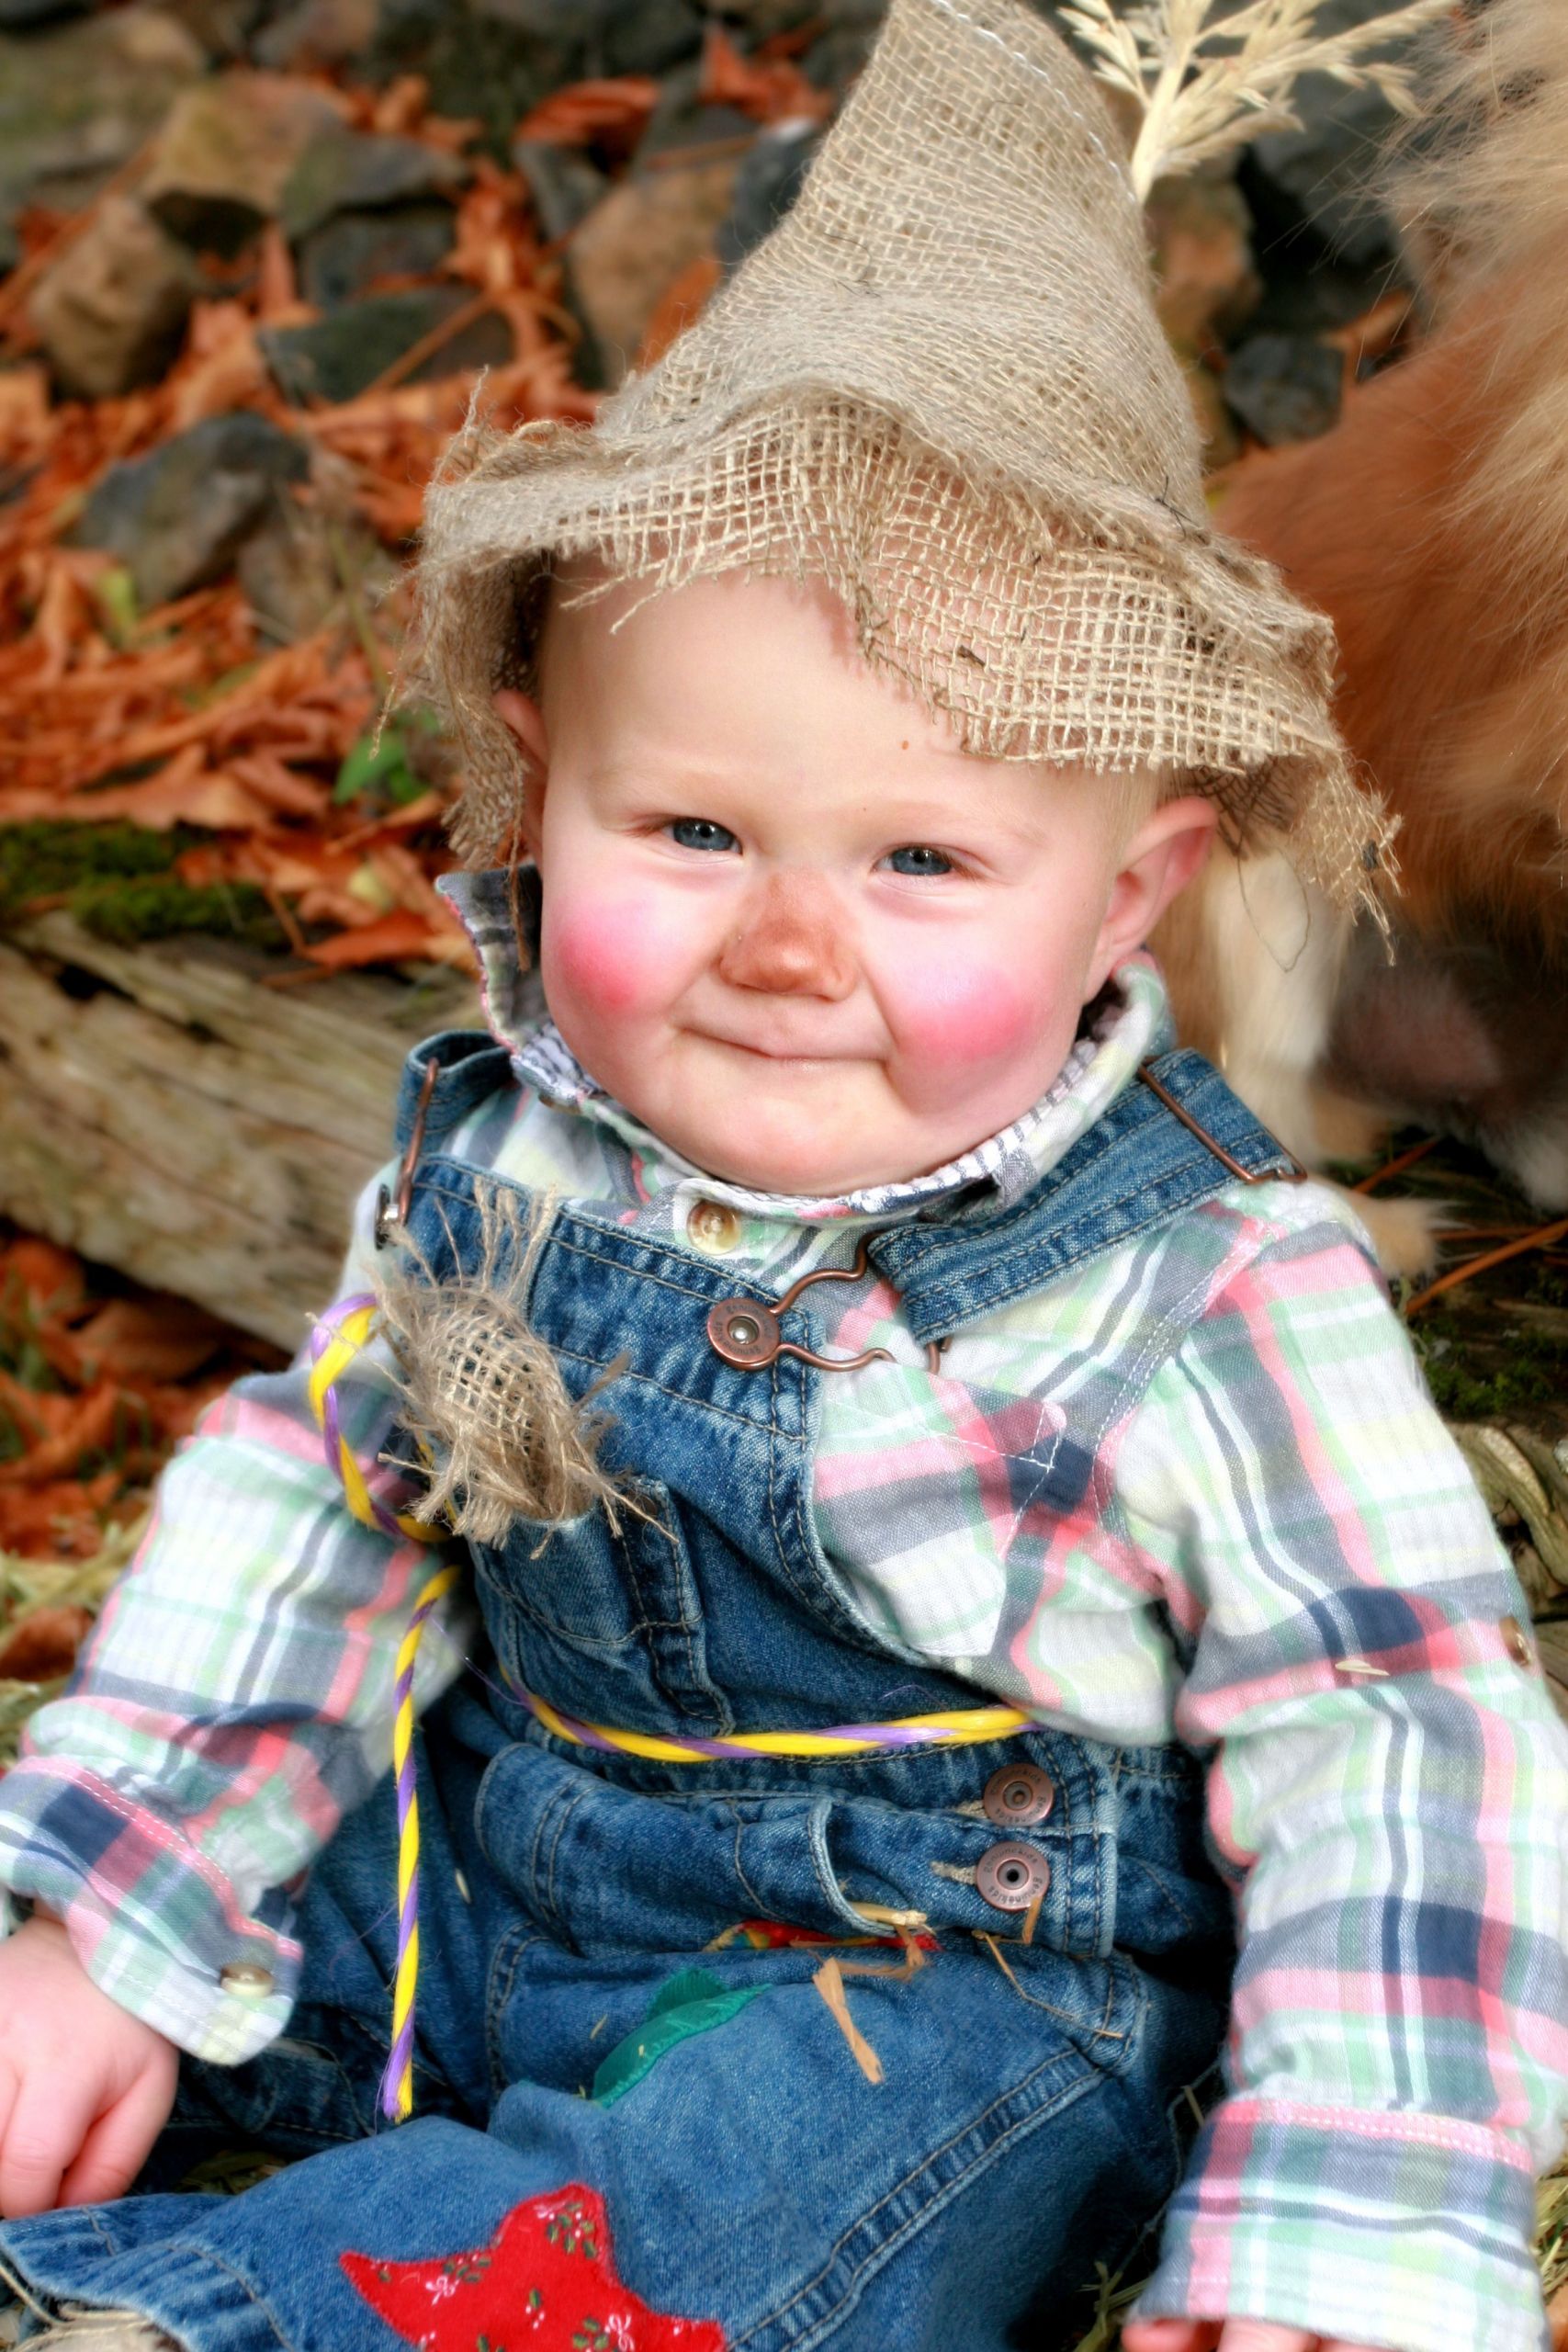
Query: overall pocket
[(603, 1619)]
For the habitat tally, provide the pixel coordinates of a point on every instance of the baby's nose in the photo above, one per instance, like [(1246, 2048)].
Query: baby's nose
[(789, 943)]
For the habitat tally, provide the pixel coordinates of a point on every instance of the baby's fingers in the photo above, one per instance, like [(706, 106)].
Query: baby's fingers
[(119, 2143), (47, 2122)]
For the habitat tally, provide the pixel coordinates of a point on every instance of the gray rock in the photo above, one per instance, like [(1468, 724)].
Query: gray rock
[(223, 27), (359, 250), (607, 36), (763, 19), (649, 36), (682, 123), (177, 518), (564, 185), (316, 35), (769, 178), (292, 566), (76, 102), (26, 15), (624, 257), (494, 59), (1323, 177), (1284, 387), (836, 56), (227, 154), (110, 312), (474, 66), (341, 170), (341, 354)]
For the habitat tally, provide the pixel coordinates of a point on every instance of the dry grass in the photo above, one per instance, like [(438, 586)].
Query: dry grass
[(1204, 82)]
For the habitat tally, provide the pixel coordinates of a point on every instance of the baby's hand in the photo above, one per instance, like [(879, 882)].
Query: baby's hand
[(84, 2087), (1228, 2336)]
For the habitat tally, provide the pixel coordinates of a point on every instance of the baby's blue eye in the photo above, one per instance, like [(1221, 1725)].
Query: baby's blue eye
[(918, 860), (701, 832)]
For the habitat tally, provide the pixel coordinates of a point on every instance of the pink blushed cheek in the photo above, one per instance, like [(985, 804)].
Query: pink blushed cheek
[(609, 957), (967, 1018)]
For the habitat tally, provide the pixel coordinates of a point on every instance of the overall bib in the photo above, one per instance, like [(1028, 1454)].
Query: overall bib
[(639, 2122)]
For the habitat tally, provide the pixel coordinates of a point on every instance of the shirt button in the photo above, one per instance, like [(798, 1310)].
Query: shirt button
[(1018, 1793), (245, 1977), (713, 1226), (1010, 1876), (1516, 1641)]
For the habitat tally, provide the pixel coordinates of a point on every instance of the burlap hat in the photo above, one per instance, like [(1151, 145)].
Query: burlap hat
[(940, 385)]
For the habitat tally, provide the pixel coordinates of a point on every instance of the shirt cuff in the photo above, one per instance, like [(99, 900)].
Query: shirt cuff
[(1385, 2228), (155, 1923)]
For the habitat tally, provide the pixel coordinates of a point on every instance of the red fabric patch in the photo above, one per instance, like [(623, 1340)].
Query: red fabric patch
[(545, 2282)]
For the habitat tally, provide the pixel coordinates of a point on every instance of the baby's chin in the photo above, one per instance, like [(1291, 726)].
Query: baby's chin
[(801, 1157)]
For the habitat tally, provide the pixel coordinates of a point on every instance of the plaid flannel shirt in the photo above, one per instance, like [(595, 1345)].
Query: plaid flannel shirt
[(1283, 1495)]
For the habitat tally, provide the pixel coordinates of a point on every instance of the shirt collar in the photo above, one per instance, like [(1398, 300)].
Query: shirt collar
[(1128, 1021)]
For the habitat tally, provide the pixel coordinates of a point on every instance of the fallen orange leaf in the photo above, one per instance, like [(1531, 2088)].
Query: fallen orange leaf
[(43, 1645), (51, 1277), (399, 936), (769, 90), (571, 118)]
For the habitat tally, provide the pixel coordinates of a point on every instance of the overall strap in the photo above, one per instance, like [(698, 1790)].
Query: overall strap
[(1164, 1147), (468, 1065), (443, 1078)]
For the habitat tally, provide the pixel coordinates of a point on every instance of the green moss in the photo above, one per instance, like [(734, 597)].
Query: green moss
[(160, 907), (44, 860), (1468, 1385), (118, 882)]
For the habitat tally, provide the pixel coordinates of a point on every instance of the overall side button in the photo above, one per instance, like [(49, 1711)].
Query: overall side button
[(1017, 1796), (1010, 1876)]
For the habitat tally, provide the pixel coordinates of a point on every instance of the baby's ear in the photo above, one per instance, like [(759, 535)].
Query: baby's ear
[(522, 714), (1159, 862)]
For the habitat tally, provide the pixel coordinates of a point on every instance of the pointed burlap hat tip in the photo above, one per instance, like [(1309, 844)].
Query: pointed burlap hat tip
[(940, 385)]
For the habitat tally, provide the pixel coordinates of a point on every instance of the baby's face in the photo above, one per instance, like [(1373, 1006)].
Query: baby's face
[(799, 933)]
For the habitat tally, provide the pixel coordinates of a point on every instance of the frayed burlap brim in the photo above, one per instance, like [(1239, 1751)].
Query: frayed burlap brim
[(1122, 651), (940, 385)]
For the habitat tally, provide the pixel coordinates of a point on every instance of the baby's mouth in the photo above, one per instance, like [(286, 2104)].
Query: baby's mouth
[(792, 1056)]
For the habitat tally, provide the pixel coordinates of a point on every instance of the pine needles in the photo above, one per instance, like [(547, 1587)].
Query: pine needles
[(1204, 83)]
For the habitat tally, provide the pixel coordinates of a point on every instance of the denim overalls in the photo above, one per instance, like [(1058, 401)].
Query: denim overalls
[(639, 2122)]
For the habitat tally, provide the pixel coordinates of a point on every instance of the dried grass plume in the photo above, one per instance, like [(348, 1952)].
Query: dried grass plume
[(1204, 83)]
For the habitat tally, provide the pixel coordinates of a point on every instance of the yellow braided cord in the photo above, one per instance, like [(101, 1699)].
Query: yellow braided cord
[(346, 1343), (975, 1726), (401, 2104)]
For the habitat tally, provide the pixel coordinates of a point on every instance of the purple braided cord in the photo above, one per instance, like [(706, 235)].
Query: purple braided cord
[(321, 1336), (402, 2050)]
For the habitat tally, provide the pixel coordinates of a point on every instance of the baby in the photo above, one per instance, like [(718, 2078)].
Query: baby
[(956, 1530)]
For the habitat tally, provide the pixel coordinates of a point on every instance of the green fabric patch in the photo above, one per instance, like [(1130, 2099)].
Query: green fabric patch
[(691, 2002)]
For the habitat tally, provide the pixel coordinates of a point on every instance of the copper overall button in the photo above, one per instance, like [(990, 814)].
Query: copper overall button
[(744, 1332), (1516, 1641), (1010, 1876), (1017, 1796), (713, 1226)]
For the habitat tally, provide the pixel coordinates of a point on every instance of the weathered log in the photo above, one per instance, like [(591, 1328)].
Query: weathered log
[(164, 1112)]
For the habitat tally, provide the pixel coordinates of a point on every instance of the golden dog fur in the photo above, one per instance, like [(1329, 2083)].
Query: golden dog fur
[(1432, 525)]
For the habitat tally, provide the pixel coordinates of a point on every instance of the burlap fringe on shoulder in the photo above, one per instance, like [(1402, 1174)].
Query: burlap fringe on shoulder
[(484, 1395)]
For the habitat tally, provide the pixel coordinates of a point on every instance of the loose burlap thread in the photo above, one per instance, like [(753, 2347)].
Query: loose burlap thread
[(942, 387), (482, 1395)]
